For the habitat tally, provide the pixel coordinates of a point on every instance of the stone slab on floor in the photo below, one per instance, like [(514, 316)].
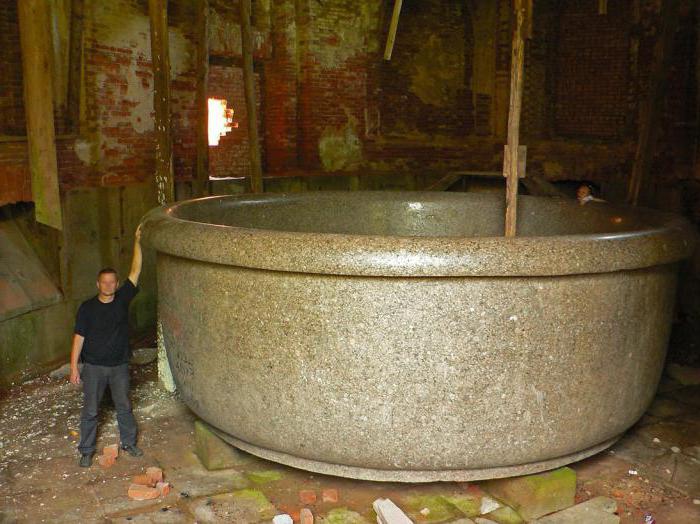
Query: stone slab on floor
[(534, 496), (242, 506), (213, 452), (598, 510)]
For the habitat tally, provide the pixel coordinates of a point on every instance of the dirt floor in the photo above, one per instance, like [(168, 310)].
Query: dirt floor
[(654, 469)]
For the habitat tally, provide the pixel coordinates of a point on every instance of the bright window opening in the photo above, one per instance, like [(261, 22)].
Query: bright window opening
[(220, 120)]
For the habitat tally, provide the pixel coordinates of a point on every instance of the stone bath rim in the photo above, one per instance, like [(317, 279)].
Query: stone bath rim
[(661, 238)]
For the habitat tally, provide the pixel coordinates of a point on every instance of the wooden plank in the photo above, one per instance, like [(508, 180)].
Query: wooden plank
[(256, 182), (201, 180), (511, 157), (160, 58), (393, 26), (650, 106), (75, 60), (445, 182), (35, 42)]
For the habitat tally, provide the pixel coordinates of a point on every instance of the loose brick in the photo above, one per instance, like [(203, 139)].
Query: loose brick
[(111, 450), (306, 517), (533, 496), (143, 480), (140, 492), (106, 461), (155, 474), (307, 496), (163, 488), (330, 495)]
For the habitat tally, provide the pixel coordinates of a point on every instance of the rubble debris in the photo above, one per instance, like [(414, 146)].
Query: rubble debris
[(389, 513), (62, 372), (143, 356)]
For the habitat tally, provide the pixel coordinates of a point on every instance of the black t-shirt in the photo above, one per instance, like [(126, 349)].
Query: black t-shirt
[(105, 327)]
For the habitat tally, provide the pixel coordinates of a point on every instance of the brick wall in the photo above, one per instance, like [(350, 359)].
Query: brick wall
[(231, 157), (11, 99), (592, 70), (280, 90), (321, 74), (425, 88)]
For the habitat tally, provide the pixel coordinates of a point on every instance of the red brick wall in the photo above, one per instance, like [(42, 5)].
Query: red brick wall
[(448, 26), (11, 99), (592, 70), (332, 81), (280, 91), (231, 157)]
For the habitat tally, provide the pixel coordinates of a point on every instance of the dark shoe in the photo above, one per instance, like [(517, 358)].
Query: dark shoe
[(85, 460), (132, 450)]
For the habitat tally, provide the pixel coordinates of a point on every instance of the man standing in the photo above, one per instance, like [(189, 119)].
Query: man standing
[(101, 338)]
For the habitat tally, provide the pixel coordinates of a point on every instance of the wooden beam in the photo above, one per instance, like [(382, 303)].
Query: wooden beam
[(650, 106), (75, 59), (201, 185), (511, 160), (160, 58), (391, 37), (35, 41), (256, 182)]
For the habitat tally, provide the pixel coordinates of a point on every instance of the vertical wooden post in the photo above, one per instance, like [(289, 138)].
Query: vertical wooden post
[(391, 37), (650, 106), (160, 58), (256, 183), (201, 182), (35, 40), (75, 58), (510, 157)]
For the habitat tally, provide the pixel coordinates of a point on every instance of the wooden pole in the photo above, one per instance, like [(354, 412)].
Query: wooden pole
[(511, 158), (75, 58), (256, 183), (650, 106), (160, 58), (35, 41), (202, 171), (391, 37)]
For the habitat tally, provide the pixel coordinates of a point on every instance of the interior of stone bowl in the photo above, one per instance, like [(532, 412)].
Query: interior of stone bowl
[(419, 214)]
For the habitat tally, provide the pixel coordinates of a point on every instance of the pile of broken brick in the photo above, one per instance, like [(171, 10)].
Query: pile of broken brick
[(146, 486), (545, 498)]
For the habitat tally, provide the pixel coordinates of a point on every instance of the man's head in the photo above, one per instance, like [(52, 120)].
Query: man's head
[(107, 281)]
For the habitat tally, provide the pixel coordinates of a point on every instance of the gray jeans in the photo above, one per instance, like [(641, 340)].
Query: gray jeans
[(95, 381)]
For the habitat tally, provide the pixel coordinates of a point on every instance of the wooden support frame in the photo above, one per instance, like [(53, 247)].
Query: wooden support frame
[(511, 158), (393, 26), (38, 102), (256, 181), (650, 106), (75, 63), (201, 179), (160, 57)]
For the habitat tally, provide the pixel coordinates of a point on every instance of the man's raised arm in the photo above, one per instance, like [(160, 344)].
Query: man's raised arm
[(137, 260)]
